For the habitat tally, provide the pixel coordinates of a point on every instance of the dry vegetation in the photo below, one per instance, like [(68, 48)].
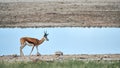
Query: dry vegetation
[(63, 61), (63, 64), (60, 14)]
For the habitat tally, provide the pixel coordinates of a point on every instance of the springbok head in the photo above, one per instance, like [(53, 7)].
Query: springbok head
[(45, 36)]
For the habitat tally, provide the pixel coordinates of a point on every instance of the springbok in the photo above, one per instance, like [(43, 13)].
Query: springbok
[(32, 42)]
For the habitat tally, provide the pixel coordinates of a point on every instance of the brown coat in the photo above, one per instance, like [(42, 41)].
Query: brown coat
[(34, 41)]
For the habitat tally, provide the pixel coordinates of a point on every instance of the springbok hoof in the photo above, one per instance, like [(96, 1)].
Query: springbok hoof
[(38, 54)]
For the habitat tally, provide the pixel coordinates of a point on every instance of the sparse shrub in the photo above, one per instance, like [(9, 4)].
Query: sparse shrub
[(14, 55), (58, 53)]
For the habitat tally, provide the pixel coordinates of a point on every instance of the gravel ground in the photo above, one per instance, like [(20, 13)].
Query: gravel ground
[(50, 58), (60, 14)]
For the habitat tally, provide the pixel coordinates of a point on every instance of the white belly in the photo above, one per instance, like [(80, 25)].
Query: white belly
[(29, 44)]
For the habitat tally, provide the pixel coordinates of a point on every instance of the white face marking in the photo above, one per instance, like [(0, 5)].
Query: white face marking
[(46, 38), (29, 44)]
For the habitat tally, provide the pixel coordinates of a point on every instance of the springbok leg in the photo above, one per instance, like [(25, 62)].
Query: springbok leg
[(21, 52), (37, 49), (32, 50), (38, 54)]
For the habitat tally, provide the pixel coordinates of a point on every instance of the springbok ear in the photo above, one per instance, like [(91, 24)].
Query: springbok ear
[(44, 32)]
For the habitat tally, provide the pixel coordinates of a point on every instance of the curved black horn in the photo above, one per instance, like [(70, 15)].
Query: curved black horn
[(46, 32)]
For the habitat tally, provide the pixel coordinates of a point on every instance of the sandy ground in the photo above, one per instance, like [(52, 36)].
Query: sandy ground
[(60, 14), (81, 57)]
